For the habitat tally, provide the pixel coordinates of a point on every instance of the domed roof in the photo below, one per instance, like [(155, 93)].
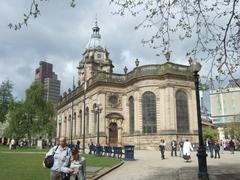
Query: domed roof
[(95, 40)]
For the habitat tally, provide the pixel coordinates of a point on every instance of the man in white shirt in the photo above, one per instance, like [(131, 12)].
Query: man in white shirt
[(62, 159)]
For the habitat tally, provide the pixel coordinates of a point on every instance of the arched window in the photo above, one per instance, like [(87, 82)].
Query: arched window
[(65, 126), (74, 125), (131, 115), (80, 124), (87, 121), (69, 126), (59, 130), (149, 112), (94, 119), (182, 112)]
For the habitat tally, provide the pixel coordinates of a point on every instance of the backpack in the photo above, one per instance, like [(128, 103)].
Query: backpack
[(49, 160)]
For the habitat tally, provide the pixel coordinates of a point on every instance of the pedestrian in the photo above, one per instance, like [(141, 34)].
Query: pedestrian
[(187, 148), (216, 149), (78, 145), (210, 146), (12, 144), (174, 147), (62, 157), (162, 148), (181, 148), (221, 146), (77, 165), (231, 146)]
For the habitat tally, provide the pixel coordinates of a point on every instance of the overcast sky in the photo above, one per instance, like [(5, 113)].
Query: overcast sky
[(60, 35)]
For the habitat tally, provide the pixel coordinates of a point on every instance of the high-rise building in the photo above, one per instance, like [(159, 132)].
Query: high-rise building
[(49, 80), (225, 103)]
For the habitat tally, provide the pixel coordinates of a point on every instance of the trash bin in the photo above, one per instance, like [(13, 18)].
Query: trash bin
[(129, 152)]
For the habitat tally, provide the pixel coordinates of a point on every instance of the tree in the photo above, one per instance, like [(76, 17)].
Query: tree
[(232, 128), (213, 25), (16, 119), (5, 98), (209, 133), (32, 117), (39, 112)]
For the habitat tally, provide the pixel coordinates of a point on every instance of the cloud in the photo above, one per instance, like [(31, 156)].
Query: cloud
[(60, 35)]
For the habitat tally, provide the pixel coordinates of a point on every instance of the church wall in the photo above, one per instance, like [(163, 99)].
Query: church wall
[(164, 91)]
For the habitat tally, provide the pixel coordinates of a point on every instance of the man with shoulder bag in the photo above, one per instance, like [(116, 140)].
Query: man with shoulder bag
[(58, 160)]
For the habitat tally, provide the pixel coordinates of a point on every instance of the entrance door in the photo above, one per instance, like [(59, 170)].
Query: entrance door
[(113, 134)]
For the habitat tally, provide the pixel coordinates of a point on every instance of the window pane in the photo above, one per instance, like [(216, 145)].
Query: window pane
[(182, 112), (149, 112), (131, 115)]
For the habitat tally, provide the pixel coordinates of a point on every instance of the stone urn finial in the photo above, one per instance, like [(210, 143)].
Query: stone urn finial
[(137, 62), (167, 55), (125, 69)]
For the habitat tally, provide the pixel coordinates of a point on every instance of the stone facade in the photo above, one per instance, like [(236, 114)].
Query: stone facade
[(144, 129)]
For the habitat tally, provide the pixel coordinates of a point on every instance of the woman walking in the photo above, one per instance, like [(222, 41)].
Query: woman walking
[(187, 148)]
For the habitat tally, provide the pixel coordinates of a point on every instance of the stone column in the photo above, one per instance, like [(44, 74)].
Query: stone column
[(102, 120), (162, 111), (91, 119), (169, 110), (138, 112), (192, 108), (125, 113), (77, 123)]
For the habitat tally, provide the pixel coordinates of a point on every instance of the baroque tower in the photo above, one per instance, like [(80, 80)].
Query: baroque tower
[(95, 57)]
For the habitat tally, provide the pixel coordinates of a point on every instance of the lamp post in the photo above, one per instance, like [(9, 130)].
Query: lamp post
[(98, 110), (201, 154)]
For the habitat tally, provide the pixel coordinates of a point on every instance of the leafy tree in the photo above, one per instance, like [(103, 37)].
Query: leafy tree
[(16, 119), (39, 112), (5, 99), (232, 129), (32, 117), (214, 27), (209, 133)]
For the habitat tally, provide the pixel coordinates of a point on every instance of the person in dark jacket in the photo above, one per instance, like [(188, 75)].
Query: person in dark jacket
[(216, 149), (162, 148), (210, 146), (181, 148), (231, 146), (174, 147)]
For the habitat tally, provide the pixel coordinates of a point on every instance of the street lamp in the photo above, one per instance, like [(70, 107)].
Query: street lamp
[(98, 110), (201, 154)]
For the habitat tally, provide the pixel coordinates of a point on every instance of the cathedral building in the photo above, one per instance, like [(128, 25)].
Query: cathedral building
[(139, 107)]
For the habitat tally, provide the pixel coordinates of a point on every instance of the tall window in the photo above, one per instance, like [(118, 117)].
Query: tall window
[(182, 112), (131, 115), (149, 112), (69, 126), (65, 126), (59, 130), (94, 119), (80, 124), (74, 125), (87, 120)]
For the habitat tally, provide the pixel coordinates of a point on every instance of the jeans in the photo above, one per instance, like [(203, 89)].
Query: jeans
[(174, 150)]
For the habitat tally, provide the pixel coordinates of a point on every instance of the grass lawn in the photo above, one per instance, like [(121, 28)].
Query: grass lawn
[(17, 165)]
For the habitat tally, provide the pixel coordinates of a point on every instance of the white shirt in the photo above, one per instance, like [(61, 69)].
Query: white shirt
[(187, 147), (61, 158)]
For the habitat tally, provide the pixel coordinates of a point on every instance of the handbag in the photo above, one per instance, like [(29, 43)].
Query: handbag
[(65, 176), (186, 157), (49, 160)]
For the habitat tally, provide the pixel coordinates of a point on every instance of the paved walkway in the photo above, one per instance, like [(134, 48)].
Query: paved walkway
[(149, 166)]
